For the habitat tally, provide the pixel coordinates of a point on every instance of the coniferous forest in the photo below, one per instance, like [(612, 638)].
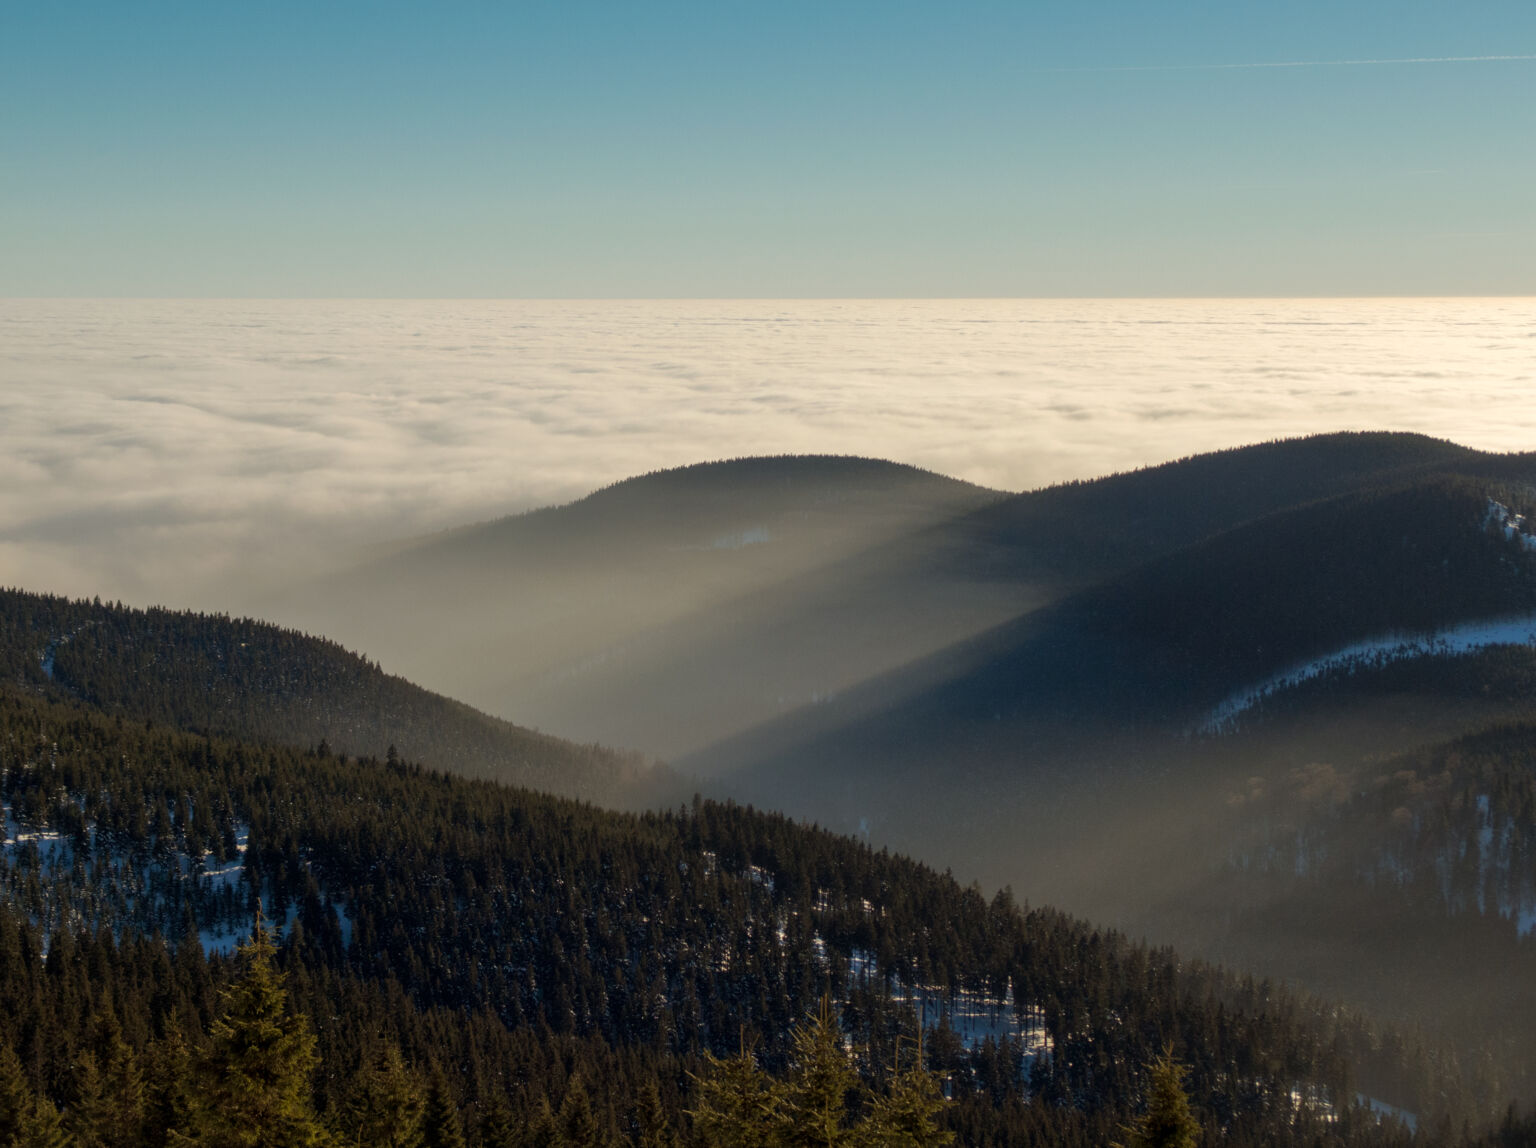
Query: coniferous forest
[(255, 680), (502, 955), (795, 575), (254, 890)]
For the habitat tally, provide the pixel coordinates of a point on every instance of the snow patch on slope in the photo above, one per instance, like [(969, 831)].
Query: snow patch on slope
[(973, 1016), (48, 843), (45, 656), (1513, 525), (1371, 654)]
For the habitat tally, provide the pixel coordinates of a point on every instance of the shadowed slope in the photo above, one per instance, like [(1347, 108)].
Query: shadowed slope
[(677, 609), (1159, 642), (576, 618), (1083, 531), (1073, 702)]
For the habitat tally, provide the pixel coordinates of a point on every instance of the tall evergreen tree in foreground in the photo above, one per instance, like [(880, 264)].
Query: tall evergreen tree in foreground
[(440, 1123), (907, 1116), (739, 1106), (385, 1106), (256, 1074), (1168, 1122), (576, 1121), (651, 1129)]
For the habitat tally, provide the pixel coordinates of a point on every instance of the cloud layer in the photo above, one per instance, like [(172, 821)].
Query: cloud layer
[(198, 452)]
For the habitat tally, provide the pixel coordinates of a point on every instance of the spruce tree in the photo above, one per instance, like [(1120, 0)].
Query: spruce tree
[(254, 1080), (577, 1122), (1168, 1122), (86, 1116), (385, 1105), (15, 1096), (497, 1129), (651, 1127), (820, 1085), (440, 1123), (168, 1105), (906, 1117), (542, 1132), (123, 1096), (739, 1105), (43, 1127)]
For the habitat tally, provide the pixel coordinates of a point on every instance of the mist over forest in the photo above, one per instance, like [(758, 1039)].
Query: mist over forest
[(696, 575), (1207, 749), (1253, 718)]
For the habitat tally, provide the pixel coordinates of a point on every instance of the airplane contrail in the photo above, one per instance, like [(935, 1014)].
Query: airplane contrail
[(1300, 64)]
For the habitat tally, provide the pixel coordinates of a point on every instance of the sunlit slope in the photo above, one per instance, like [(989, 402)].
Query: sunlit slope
[(248, 679), (667, 610)]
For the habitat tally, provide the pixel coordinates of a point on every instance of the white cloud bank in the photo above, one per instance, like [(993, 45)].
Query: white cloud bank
[(193, 452)]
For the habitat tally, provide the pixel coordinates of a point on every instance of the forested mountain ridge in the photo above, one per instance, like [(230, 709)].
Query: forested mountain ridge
[(1155, 648), (1081, 532), (675, 610), (1297, 583), (1406, 883), (514, 943), (694, 503), (1052, 749), (259, 682)]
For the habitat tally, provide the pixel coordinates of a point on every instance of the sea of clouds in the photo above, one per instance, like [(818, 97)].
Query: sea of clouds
[(201, 452)]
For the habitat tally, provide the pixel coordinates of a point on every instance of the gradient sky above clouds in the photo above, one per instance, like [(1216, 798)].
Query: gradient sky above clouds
[(588, 149)]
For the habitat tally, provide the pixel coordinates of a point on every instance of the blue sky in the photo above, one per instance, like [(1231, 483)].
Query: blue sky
[(730, 149)]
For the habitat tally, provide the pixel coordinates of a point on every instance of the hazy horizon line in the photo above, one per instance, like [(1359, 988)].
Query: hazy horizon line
[(1237, 298)]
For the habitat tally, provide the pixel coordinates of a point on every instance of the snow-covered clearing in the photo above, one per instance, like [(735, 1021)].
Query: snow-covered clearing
[(972, 1016), (17, 837)]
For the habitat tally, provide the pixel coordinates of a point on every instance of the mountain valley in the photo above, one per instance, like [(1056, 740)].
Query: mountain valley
[(1269, 708)]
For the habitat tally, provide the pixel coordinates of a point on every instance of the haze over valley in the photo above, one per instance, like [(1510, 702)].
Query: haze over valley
[(815, 575), (1127, 697), (1200, 699)]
